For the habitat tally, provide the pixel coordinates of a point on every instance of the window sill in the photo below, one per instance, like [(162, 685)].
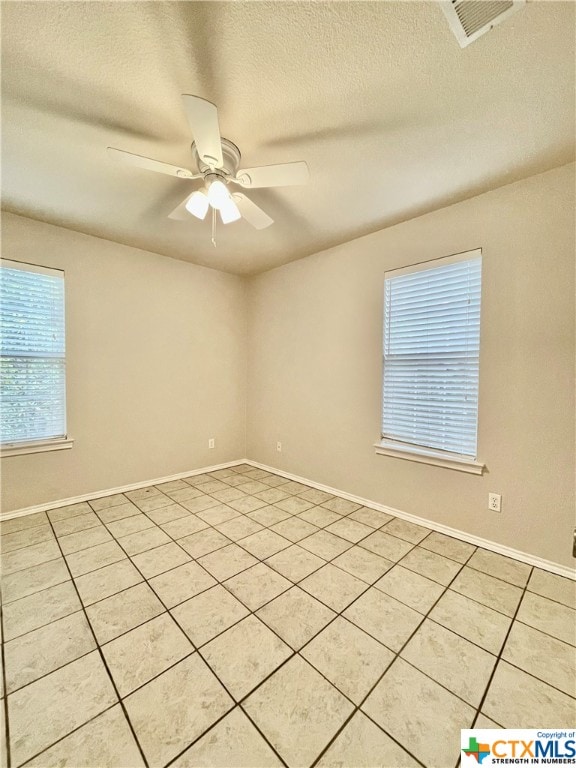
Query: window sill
[(35, 446), (425, 456)]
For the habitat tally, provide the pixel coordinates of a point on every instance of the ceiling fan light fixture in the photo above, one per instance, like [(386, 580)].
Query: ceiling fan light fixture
[(198, 204), (229, 212), (218, 195)]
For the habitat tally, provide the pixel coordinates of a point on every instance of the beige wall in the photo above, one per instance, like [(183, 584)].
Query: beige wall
[(156, 355), (314, 367)]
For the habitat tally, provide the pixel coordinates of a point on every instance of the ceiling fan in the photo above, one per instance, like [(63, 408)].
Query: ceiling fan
[(218, 161)]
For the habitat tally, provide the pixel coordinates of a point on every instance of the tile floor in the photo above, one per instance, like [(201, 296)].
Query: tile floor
[(241, 619)]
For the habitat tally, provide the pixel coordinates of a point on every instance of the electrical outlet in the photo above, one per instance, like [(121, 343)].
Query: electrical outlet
[(211, 443), (279, 447), (494, 502)]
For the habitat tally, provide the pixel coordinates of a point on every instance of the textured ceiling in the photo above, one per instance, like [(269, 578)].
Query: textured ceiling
[(392, 117)]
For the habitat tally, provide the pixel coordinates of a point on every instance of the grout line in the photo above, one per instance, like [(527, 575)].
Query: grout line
[(4, 703)]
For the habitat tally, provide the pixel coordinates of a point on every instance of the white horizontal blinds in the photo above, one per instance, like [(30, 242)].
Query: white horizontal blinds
[(431, 354), (32, 347)]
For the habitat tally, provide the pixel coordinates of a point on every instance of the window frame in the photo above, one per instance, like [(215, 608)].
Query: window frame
[(60, 442), (411, 451)]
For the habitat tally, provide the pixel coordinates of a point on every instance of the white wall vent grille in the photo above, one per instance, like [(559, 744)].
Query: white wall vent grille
[(470, 19)]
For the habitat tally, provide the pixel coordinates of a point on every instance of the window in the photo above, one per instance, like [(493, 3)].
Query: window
[(32, 348), (431, 361)]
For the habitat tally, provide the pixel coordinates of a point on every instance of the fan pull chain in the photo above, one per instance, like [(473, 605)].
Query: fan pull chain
[(214, 227)]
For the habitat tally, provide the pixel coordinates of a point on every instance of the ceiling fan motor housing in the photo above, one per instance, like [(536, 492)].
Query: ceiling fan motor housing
[(231, 156)]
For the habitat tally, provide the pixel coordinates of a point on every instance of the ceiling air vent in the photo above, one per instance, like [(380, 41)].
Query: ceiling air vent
[(470, 19)]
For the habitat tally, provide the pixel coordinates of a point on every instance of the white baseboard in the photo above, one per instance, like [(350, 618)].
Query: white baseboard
[(501, 549), (111, 491)]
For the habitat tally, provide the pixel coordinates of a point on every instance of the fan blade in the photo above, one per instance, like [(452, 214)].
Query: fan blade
[(180, 213), (150, 165), (203, 118), (282, 175), (251, 212)]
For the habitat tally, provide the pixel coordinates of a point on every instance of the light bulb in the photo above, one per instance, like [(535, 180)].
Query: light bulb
[(229, 211), (197, 204), (218, 195)]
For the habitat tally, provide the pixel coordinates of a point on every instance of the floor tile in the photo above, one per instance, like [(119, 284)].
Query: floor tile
[(274, 481), (453, 662), (334, 587), (271, 495), (160, 559), (518, 700), (227, 562), (352, 660), (500, 567), (75, 542), (363, 564), (341, 506), (236, 480), (363, 745), (484, 722), (246, 504), (143, 540), (106, 581), (204, 542), (186, 494), (181, 583), (294, 504), (211, 485), (244, 655), (431, 565), (264, 544), (143, 653), (296, 616), (119, 512), (38, 609), (294, 528), (298, 711), (21, 559), (174, 709), (239, 528), (106, 742), (208, 614), (26, 521), (543, 656), (3, 739), (232, 742), (550, 617), (220, 514), (10, 542), (351, 530), (252, 487), (268, 515), (553, 587), (410, 588), (257, 585), (325, 545), (45, 649), (50, 708), (316, 496), (199, 504), (128, 525), (75, 524), (228, 494), (294, 488), (447, 546), (384, 618), (143, 493), (221, 474), (167, 514), (171, 485), (154, 502), (319, 516), (475, 622), (487, 590), (407, 704), (107, 501), (24, 583), (96, 557), (372, 517), (406, 530), (295, 563), (63, 513), (390, 547), (123, 611), (184, 526)]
